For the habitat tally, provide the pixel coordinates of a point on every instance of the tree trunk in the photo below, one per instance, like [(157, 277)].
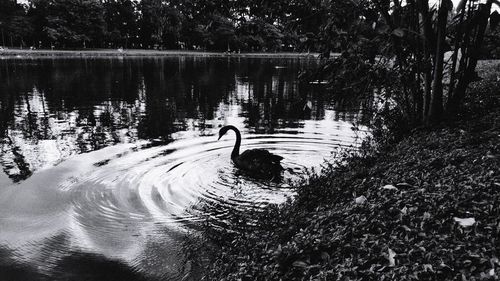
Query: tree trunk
[(428, 47), (436, 102), (458, 38), (459, 92)]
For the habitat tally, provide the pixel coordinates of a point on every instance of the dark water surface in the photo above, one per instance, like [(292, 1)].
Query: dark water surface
[(106, 163)]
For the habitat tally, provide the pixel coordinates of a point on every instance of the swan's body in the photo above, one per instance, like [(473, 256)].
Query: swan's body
[(257, 162)]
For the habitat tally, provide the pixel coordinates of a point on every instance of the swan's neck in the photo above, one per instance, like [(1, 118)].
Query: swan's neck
[(237, 144)]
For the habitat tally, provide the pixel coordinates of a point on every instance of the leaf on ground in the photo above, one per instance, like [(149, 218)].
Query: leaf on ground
[(389, 187), (392, 255), (403, 184), (427, 215), (465, 222), (360, 200), (428, 267), (300, 264), (325, 256)]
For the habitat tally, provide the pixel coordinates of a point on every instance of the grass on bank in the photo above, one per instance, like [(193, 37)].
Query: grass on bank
[(438, 217)]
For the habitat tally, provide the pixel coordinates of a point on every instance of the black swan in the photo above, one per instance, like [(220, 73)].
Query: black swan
[(258, 163)]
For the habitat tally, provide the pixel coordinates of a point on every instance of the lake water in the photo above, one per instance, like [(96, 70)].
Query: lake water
[(107, 163)]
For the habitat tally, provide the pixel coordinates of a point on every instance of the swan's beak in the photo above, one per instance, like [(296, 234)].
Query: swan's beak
[(219, 137)]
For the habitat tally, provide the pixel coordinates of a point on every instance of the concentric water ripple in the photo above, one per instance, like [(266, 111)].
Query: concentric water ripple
[(163, 183), (129, 201)]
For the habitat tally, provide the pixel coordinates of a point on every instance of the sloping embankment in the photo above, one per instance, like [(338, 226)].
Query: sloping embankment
[(432, 211)]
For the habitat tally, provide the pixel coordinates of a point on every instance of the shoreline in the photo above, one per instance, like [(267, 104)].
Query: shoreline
[(422, 208), (17, 53)]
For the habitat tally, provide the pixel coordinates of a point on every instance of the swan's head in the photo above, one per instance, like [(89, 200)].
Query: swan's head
[(222, 131)]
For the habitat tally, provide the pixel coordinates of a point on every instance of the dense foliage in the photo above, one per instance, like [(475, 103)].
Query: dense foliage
[(419, 56), (193, 24), (15, 27)]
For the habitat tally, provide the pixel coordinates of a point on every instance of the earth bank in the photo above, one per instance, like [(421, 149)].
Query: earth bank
[(424, 208)]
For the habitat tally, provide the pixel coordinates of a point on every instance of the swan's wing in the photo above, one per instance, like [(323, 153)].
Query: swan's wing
[(260, 155), (260, 162)]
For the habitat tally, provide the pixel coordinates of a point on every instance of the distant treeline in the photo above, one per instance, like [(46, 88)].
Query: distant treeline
[(215, 25)]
